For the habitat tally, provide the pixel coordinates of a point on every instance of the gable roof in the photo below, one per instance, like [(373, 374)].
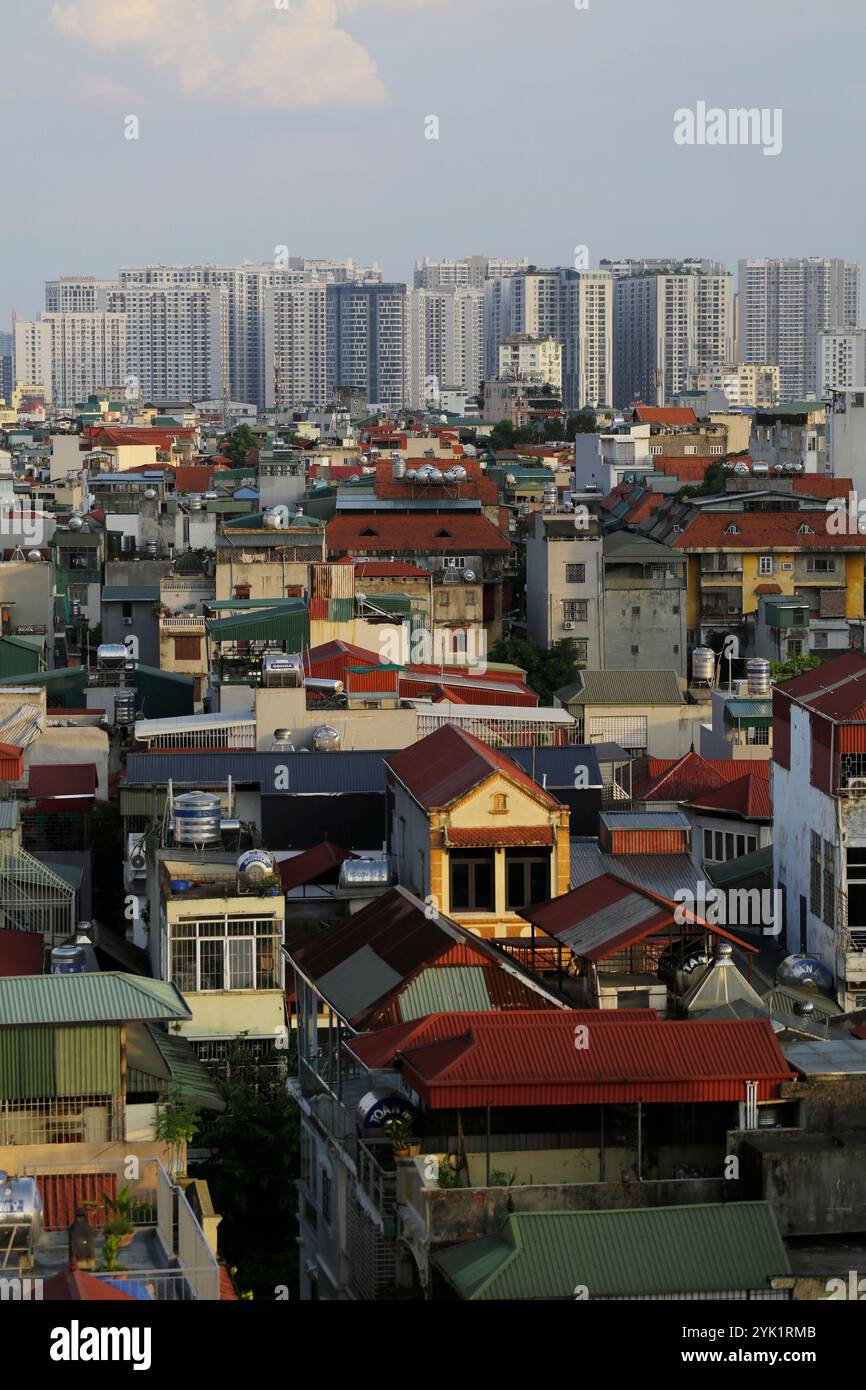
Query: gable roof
[(386, 950), (768, 531), (835, 689), (443, 767), (664, 415), (530, 1058), (623, 688), (419, 533), (608, 913), (633, 1253), (104, 997), (683, 778), (747, 796)]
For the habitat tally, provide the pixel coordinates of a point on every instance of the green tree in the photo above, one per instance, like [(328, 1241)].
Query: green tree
[(251, 1173), (503, 435), (546, 671), (582, 423), (238, 444), (794, 666)]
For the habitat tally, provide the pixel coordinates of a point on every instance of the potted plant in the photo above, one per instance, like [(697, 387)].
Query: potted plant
[(120, 1226), (399, 1131), (110, 1247)]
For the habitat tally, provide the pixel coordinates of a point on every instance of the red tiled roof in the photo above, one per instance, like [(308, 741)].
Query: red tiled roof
[(762, 531), (313, 865), (679, 779), (768, 588), (474, 487), (62, 780), (506, 835), (819, 485), (472, 1060), (441, 768), (667, 415), (419, 533), (109, 436), (194, 477), (21, 952), (748, 797), (688, 470)]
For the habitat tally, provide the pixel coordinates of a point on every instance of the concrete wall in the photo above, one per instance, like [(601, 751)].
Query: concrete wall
[(815, 1188), (27, 589), (657, 629)]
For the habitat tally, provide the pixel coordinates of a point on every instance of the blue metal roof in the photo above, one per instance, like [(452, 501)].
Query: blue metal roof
[(559, 765), (325, 773)]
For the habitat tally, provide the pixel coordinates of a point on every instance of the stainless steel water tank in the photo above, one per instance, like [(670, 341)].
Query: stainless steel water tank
[(111, 656), (197, 818), (758, 676), (326, 739), (67, 960), (703, 664), (20, 1216)]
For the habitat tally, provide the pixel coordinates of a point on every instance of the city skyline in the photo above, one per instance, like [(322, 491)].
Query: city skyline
[(220, 136)]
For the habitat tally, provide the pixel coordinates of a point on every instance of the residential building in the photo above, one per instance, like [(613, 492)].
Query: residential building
[(783, 307), (792, 435), (642, 711), (746, 385), (841, 360), (537, 360), (295, 348), (445, 345), (666, 326), (819, 845), (573, 306), (367, 336), (469, 272), (472, 833)]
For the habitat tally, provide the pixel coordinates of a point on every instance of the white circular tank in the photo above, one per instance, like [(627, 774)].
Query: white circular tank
[(197, 818), (326, 739), (758, 676), (254, 867), (703, 664)]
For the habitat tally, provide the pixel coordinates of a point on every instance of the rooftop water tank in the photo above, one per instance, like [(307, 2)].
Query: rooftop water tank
[(758, 676), (197, 818), (124, 706), (20, 1218), (67, 960), (34, 555), (360, 872), (801, 969), (111, 656), (254, 867), (282, 669), (703, 664), (398, 467), (326, 739)]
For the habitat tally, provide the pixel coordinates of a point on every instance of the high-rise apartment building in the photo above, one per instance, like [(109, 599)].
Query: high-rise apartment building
[(295, 349), (470, 272), (573, 306), (533, 360), (79, 294), (785, 304), (446, 343), (841, 360), (178, 341), (367, 339), (666, 326)]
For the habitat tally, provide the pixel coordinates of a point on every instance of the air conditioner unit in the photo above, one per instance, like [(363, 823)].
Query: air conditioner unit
[(127, 622), (856, 786), (787, 565), (136, 852), (568, 627)]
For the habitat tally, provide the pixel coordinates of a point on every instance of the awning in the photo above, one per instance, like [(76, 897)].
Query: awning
[(513, 836), (62, 781)]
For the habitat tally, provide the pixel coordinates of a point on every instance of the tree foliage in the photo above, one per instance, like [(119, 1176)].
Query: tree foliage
[(546, 671), (251, 1173), (238, 444), (794, 666)]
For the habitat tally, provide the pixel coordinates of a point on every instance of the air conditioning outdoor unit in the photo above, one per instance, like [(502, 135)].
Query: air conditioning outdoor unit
[(127, 622), (856, 786), (568, 627)]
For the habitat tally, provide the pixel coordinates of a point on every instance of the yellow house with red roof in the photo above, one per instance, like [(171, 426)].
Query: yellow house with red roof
[(472, 834)]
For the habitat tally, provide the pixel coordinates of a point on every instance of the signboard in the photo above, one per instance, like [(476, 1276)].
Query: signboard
[(377, 1108)]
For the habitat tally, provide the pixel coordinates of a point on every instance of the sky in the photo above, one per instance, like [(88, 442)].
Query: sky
[(304, 123)]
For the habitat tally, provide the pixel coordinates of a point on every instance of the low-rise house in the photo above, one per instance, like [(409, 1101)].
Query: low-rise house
[(472, 832), (642, 711)]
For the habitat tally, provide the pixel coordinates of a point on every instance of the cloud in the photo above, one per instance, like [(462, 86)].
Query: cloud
[(247, 51)]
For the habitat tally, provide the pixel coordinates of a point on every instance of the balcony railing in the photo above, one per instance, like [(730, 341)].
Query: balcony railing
[(379, 1183), (182, 623)]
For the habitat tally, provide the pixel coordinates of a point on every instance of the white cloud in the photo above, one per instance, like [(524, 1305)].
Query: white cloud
[(246, 51)]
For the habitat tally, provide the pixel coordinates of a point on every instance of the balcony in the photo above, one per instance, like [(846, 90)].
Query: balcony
[(378, 1180), (182, 623)]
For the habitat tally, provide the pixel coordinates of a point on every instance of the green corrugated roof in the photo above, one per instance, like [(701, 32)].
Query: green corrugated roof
[(732, 871), (156, 1059), (441, 989), (712, 1248), (8, 815), (748, 709), (623, 688), (106, 997), (285, 624)]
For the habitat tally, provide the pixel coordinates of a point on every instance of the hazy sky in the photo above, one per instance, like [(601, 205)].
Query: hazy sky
[(305, 126)]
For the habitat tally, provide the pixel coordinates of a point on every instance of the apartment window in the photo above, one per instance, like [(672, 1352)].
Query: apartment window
[(472, 881), (815, 875), (795, 646), (226, 953), (820, 564), (527, 879), (635, 651), (457, 562), (690, 449), (327, 1186), (582, 646), (720, 845), (820, 639), (187, 648), (765, 564), (126, 612), (635, 612), (241, 591), (575, 610), (575, 574), (829, 883)]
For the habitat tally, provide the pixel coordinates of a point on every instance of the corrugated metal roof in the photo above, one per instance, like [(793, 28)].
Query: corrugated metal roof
[(191, 723), (60, 781), (282, 624), (156, 1058), (106, 997), (308, 773), (530, 1058), (623, 688), (45, 1062), (840, 1057), (725, 1247), (8, 814), (441, 768), (560, 766), (748, 709), (445, 989), (661, 873), (22, 727), (644, 820)]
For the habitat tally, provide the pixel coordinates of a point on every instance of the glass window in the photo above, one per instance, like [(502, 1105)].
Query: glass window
[(527, 879), (472, 881)]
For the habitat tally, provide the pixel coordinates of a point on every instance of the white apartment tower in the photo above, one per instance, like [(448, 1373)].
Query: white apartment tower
[(573, 306), (666, 326), (841, 360), (178, 341), (446, 343), (294, 343), (785, 304), (470, 272)]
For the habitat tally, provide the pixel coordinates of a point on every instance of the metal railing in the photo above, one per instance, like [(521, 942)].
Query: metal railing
[(183, 622), (380, 1184)]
